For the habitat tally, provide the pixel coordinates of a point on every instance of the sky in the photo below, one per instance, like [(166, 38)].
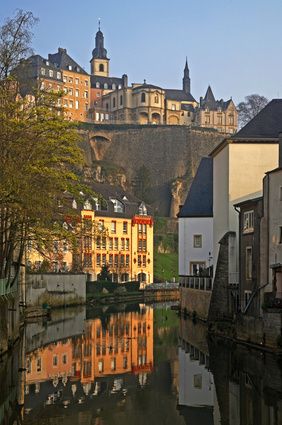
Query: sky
[(233, 45)]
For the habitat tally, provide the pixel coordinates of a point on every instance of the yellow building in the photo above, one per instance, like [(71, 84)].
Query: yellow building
[(116, 230)]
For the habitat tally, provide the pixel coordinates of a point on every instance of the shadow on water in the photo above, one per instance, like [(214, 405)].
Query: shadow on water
[(135, 364)]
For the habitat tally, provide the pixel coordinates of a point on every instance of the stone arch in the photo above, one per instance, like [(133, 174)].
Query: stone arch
[(99, 144), (156, 118), (143, 118), (142, 277), (125, 277), (173, 120)]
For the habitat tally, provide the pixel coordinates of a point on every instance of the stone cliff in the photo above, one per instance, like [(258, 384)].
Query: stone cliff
[(171, 154)]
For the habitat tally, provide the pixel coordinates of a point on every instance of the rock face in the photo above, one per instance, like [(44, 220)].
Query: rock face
[(170, 153)]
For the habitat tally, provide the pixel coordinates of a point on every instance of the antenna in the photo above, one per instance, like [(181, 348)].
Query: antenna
[(99, 24)]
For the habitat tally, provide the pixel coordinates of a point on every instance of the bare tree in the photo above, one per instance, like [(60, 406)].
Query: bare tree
[(248, 109), (15, 39)]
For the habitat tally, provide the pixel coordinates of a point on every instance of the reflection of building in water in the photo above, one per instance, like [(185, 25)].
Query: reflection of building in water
[(121, 344)]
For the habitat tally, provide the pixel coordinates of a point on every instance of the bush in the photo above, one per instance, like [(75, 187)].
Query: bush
[(98, 286)]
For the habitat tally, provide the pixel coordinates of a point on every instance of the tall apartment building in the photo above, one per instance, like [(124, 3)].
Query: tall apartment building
[(117, 231)]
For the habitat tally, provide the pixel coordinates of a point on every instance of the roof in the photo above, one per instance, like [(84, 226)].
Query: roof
[(248, 201), (199, 201), (267, 124), (209, 100), (63, 60), (147, 86), (105, 80), (179, 95)]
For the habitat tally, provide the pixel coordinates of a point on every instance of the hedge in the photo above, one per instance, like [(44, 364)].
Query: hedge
[(98, 286)]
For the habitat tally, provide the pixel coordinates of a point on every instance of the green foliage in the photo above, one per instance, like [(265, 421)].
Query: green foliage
[(165, 267), (98, 286), (105, 274), (142, 184)]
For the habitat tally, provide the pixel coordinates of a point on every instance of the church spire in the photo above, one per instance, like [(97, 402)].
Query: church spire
[(99, 63), (186, 82), (99, 52)]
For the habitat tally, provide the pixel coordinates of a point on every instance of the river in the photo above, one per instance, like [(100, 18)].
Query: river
[(135, 364)]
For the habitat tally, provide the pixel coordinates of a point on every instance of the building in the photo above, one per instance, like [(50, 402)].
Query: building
[(196, 242), (116, 230), (60, 74), (250, 213), (218, 114)]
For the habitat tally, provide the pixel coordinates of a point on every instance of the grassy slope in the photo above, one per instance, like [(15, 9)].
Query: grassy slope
[(165, 266)]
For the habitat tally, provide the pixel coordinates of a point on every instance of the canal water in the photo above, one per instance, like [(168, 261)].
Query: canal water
[(135, 364)]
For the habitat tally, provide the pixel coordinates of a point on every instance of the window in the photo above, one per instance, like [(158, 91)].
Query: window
[(113, 364), (104, 244), (116, 244), (197, 241), (42, 71), (71, 104), (55, 361), (127, 260), (139, 228), (231, 119), (139, 260), (280, 234), (122, 260), (110, 243), (59, 75), (70, 68), (111, 259), (144, 245), (76, 81), (219, 119), (120, 100), (51, 73), (76, 93), (139, 245), (127, 244), (198, 381), (113, 227), (142, 209), (143, 97), (106, 86), (173, 107), (87, 242), (124, 227), (248, 222), (87, 260), (124, 362), (144, 261), (64, 79), (280, 193), (207, 119), (101, 67), (114, 102), (86, 94), (70, 91), (76, 104), (247, 296), (97, 85), (122, 244), (113, 86), (86, 83), (116, 260), (38, 364), (104, 259), (64, 359), (98, 259), (249, 262), (86, 106), (107, 106), (70, 80), (156, 99), (100, 366)]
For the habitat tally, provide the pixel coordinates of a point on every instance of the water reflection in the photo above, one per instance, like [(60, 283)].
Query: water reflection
[(224, 383), (135, 364)]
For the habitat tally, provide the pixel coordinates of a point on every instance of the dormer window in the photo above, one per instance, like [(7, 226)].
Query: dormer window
[(97, 85), (118, 206), (106, 86), (70, 68), (87, 205), (142, 209), (113, 86)]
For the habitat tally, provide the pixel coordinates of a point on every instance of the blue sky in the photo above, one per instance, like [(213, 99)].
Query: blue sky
[(233, 45)]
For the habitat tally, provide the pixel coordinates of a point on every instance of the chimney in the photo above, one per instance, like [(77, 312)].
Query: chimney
[(125, 81), (280, 151)]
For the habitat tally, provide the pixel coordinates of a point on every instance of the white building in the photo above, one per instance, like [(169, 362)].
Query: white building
[(239, 165), (196, 224)]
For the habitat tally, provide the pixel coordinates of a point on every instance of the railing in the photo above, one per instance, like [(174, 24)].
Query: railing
[(6, 289), (203, 283)]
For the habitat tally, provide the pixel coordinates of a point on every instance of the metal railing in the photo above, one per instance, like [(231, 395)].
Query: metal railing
[(203, 283)]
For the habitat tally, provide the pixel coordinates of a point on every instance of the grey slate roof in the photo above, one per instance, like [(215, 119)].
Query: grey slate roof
[(147, 86), (63, 60), (266, 125), (199, 201), (209, 102), (179, 95), (105, 80)]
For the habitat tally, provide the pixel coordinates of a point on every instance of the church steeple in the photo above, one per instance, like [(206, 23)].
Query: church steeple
[(186, 83), (99, 61)]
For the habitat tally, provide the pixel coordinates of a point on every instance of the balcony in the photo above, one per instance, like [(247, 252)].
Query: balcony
[(203, 283), (6, 289)]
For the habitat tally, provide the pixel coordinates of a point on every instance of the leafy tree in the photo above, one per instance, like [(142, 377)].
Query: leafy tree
[(248, 109), (39, 156), (105, 274)]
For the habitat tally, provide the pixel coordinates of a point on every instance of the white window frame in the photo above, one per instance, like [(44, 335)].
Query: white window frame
[(197, 244), (248, 221)]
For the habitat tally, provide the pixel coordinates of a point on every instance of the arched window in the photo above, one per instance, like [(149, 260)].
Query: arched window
[(97, 85), (156, 98), (143, 97), (107, 106), (121, 100), (106, 86), (101, 67), (113, 86), (114, 102)]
